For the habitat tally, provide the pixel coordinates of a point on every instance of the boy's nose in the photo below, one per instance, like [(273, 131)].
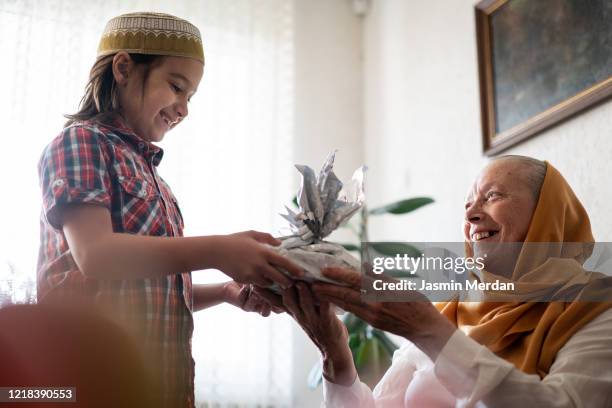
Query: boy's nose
[(181, 110)]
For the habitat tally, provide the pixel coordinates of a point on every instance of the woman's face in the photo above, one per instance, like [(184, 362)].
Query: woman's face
[(163, 102), (500, 204)]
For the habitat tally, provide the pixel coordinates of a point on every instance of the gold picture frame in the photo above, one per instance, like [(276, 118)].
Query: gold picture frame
[(539, 63)]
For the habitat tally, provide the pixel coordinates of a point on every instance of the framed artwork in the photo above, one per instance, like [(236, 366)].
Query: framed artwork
[(540, 62)]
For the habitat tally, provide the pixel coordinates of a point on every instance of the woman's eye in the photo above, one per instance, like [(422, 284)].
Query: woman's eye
[(493, 194), (175, 88)]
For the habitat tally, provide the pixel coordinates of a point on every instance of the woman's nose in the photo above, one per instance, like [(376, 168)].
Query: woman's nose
[(474, 213)]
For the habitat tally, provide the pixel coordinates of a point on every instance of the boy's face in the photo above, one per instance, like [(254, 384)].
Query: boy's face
[(164, 103)]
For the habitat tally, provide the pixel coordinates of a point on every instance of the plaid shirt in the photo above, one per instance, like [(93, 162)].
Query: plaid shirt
[(108, 165)]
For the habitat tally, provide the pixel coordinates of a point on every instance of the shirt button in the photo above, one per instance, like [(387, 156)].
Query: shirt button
[(58, 183)]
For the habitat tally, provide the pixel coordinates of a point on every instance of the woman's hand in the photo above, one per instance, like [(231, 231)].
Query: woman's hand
[(417, 321), (244, 258), (326, 331), (246, 298)]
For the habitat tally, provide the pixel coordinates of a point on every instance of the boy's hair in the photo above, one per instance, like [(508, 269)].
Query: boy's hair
[(101, 99)]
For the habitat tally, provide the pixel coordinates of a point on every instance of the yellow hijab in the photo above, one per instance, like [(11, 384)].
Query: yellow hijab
[(529, 334)]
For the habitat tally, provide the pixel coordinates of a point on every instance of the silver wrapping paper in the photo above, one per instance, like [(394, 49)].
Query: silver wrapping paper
[(324, 205)]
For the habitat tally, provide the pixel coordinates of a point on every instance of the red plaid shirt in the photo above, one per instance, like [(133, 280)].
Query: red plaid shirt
[(108, 165)]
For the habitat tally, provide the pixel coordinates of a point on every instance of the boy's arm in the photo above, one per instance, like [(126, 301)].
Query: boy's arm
[(241, 296), (208, 295), (103, 254)]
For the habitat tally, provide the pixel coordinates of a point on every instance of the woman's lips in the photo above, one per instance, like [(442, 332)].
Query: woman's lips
[(483, 235)]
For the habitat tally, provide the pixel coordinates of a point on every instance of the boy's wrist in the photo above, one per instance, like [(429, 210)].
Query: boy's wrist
[(226, 295)]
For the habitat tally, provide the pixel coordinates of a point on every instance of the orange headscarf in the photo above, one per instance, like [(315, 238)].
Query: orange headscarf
[(529, 334)]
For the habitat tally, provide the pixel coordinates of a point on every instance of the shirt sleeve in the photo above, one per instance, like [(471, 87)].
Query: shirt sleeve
[(73, 169), (389, 392), (357, 395), (581, 375)]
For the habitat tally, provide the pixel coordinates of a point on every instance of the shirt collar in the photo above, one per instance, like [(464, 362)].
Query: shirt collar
[(151, 152)]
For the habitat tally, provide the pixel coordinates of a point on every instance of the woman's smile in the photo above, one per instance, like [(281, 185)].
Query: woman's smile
[(485, 235)]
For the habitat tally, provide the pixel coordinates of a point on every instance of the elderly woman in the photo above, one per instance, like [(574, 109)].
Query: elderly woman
[(541, 354)]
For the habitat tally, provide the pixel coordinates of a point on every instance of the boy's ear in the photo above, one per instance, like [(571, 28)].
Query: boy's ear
[(122, 67)]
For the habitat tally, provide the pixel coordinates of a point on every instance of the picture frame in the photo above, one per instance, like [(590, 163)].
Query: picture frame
[(539, 63)]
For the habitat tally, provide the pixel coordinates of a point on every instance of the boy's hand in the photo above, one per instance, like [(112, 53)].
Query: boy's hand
[(244, 258), (246, 298)]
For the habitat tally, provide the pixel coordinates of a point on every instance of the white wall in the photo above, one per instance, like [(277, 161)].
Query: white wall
[(328, 115), (398, 90), (422, 122)]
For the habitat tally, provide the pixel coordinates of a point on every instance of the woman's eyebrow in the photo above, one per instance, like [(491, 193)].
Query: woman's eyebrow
[(491, 186)]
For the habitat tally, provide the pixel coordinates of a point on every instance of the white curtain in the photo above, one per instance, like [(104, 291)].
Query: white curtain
[(229, 163)]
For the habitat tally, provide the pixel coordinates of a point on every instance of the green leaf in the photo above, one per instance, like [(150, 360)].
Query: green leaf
[(385, 341), (402, 206), (359, 354), (351, 247), (372, 361), (315, 377), (354, 341), (353, 323), (400, 274), (295, 202), (395, 248)]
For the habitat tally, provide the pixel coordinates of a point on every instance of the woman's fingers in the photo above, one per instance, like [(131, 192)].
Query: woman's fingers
[(327, 311), (348, 295), (273, 299), (291, 304), (349, 277), (264, 310), (278, 310), (243, 295), (306, 302), (362, 311)]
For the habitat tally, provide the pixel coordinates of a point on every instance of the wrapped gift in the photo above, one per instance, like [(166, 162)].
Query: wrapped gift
[(324, 205)]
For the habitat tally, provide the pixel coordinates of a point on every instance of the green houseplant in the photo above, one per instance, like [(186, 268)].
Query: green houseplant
[(372, 349)]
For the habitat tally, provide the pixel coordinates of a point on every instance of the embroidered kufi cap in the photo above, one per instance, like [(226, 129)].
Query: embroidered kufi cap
[(151, 33)]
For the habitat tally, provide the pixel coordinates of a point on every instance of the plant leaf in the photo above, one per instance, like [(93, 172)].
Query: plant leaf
[(295, 202), (351, 247), (359, 354), (385, 341), (401, 275), (373, 361), (402, 206), (353, 323), (395, 248)]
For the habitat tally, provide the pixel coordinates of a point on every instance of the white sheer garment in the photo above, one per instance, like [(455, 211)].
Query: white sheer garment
[(229, 163), (466, 374)]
